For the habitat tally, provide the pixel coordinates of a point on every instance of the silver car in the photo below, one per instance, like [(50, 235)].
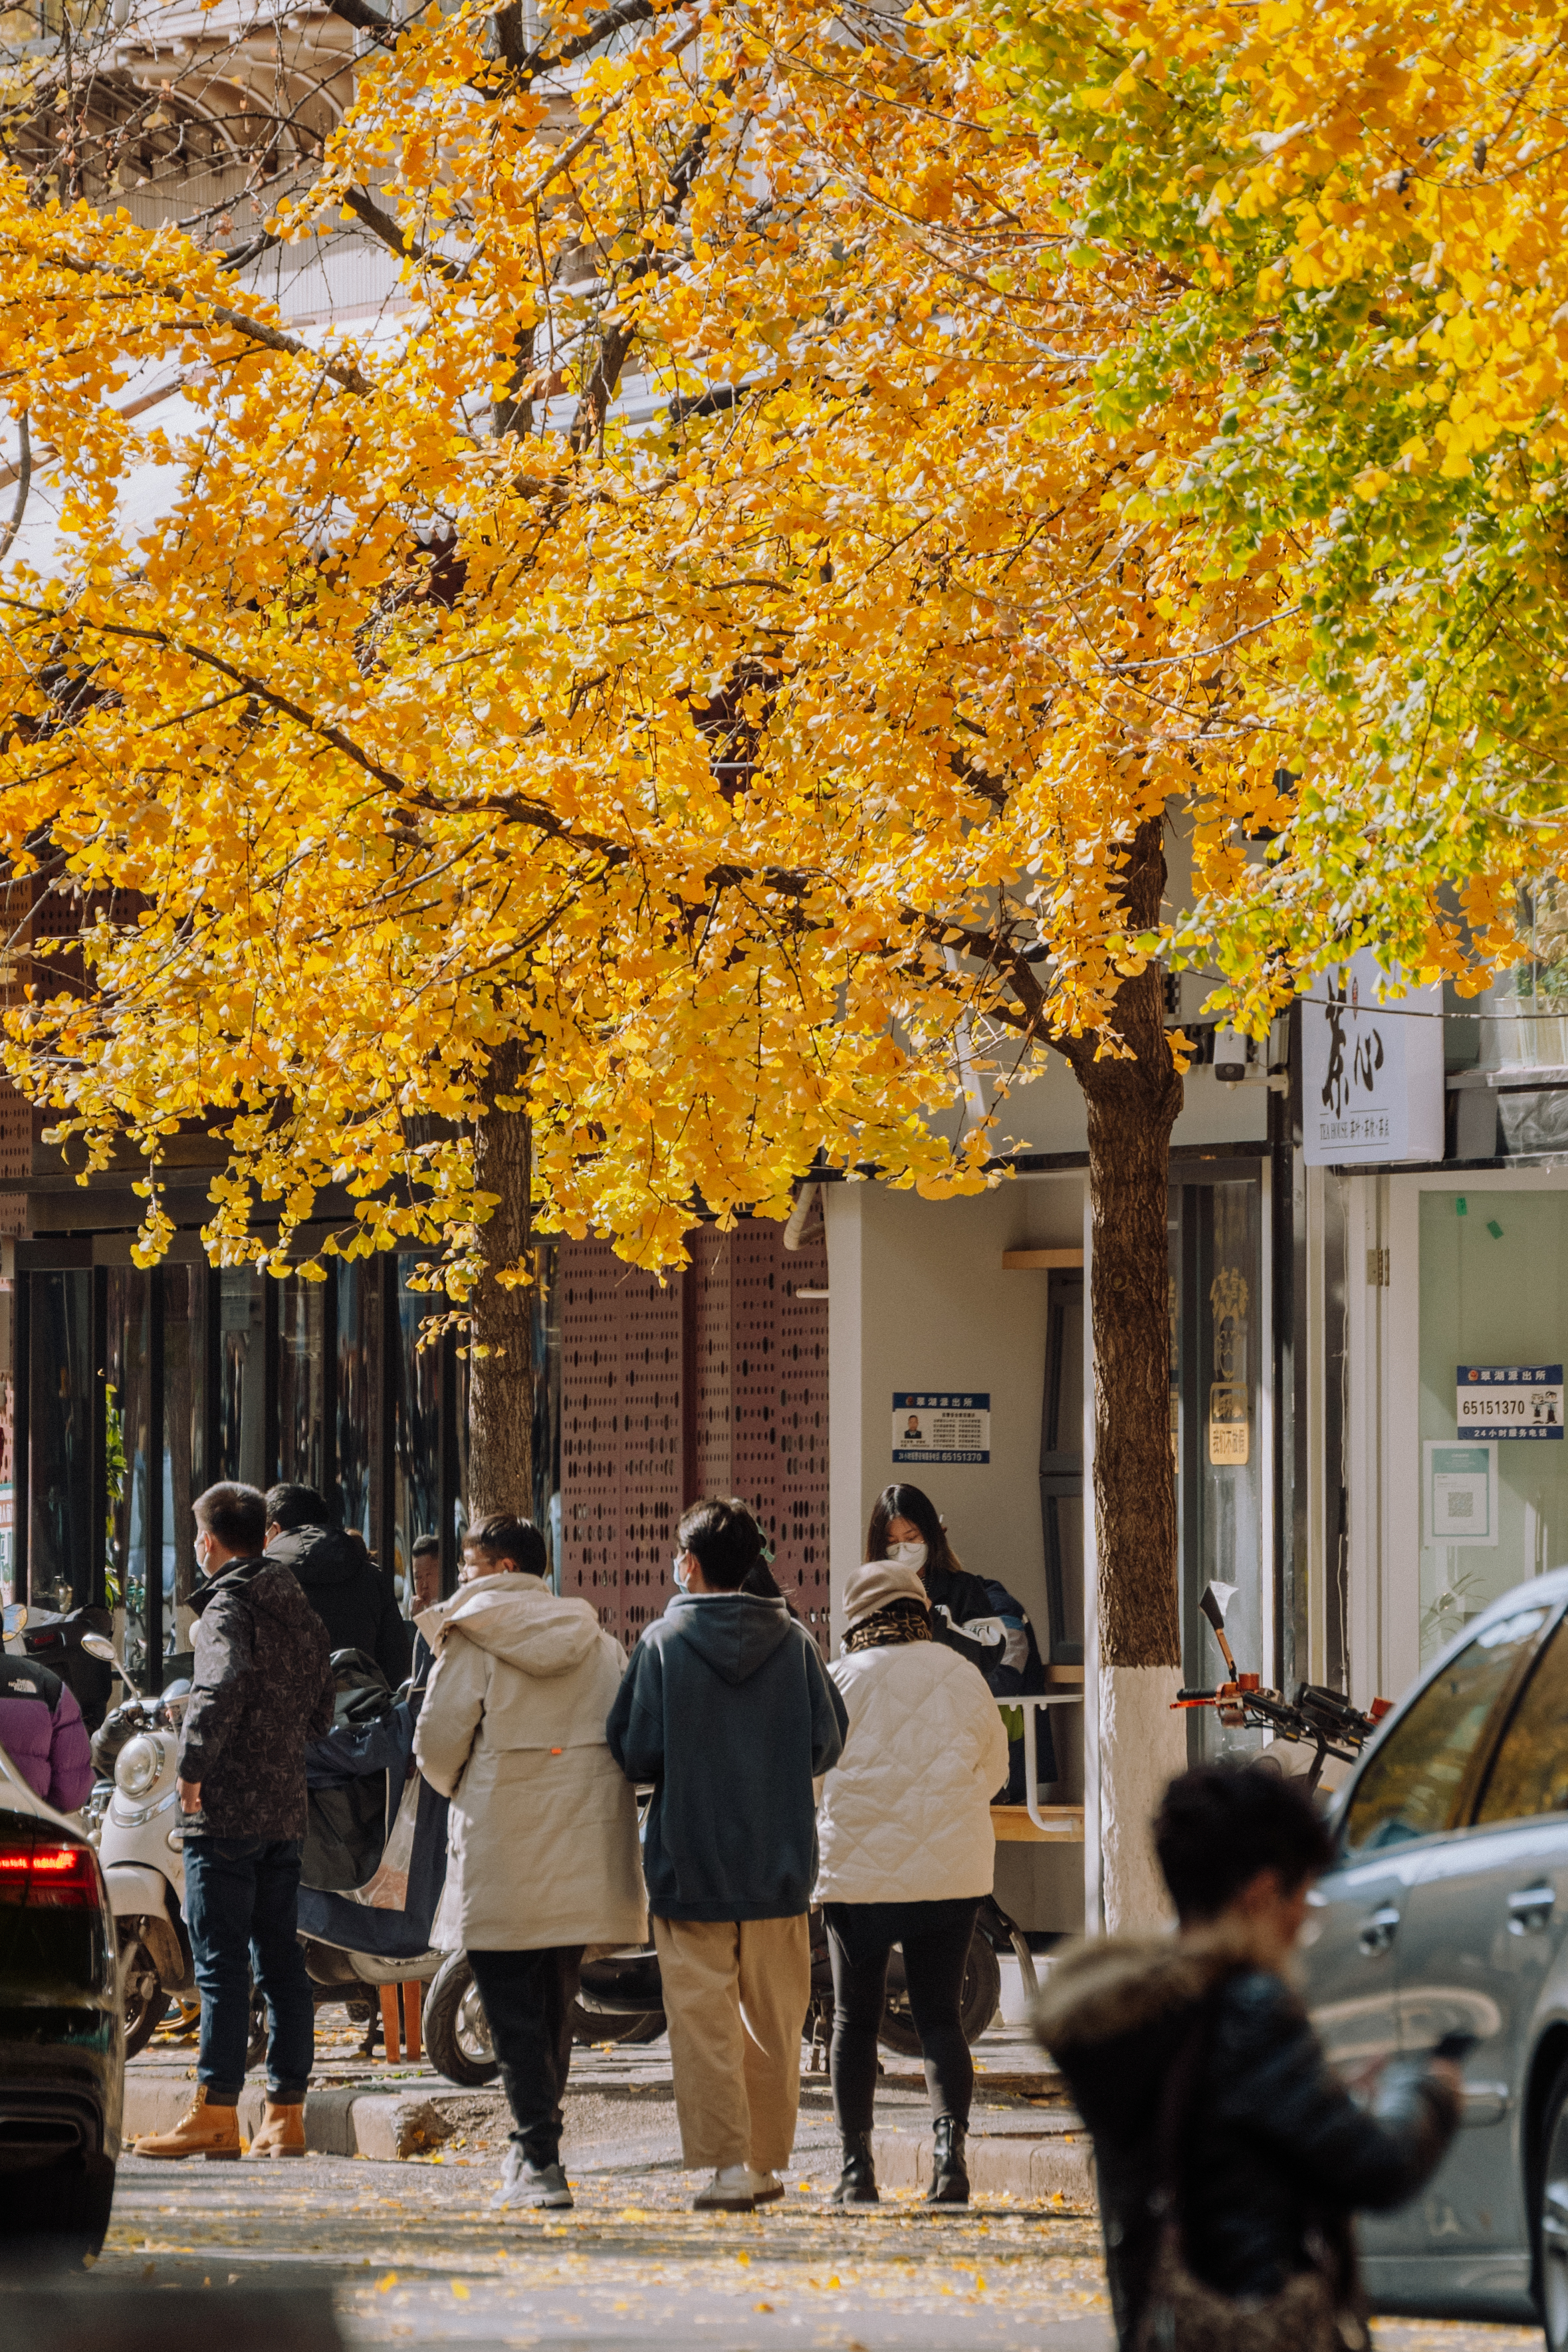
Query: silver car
[(1446, 1912)]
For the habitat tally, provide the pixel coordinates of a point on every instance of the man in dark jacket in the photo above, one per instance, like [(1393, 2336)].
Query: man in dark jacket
[(727, 1709), (1191, 2056), (353, 1601), (262, 1688)]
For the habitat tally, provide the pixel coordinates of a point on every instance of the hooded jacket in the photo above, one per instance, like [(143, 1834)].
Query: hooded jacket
[(349, 1595), (262, 1688), (727, 1709), (542, 1834), (906, 1812), (1275, 2149), (42, 1732)]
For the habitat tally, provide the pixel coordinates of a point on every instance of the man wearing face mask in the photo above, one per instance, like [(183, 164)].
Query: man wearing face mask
[(727, 1709), (262, 1688), (974, 1615)]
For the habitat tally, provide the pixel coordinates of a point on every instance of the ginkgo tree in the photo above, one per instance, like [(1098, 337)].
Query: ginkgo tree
[(633, 720)]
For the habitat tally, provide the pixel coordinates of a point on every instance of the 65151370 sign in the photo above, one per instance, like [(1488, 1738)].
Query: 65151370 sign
[(1510, 1401)]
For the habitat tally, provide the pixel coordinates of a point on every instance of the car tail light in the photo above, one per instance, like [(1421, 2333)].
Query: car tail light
[(49, 1875)]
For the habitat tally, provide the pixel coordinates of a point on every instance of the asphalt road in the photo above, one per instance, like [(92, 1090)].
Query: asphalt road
[(413, 2256)]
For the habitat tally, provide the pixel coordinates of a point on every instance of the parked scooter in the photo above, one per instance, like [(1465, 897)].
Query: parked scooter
[(134, 1822), (620, 2000)]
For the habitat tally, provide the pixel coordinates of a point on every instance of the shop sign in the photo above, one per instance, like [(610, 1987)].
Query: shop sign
[(1230, 1424), (1372, 1074), (1510, 1401), (941, 1425), (1461, 1493)]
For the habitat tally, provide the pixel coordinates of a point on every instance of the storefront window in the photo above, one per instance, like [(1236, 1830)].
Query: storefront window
[(302, 1371), (1218, 1353), (359, 1350), (1494, 1299), (61, 1555), (241, 1448), (185, 1439), (128, 1406)]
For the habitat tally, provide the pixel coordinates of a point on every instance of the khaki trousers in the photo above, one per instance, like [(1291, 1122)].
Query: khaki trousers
[(735, 1993)]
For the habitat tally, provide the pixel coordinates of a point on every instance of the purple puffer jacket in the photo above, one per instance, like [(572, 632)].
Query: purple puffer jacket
[(43, 1733)]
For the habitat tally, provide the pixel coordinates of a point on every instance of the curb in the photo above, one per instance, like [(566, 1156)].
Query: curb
[(387, 2126), (1060, 2166)]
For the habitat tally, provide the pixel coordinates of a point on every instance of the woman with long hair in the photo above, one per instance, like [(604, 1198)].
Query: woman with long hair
[(974, 1615)]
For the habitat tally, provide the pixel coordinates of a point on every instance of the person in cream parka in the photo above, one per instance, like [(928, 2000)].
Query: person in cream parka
[(543, 1855), (906, 1854)]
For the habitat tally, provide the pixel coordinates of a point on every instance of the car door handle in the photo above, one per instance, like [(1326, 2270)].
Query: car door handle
[(1531, 1909), (1378, 1932)]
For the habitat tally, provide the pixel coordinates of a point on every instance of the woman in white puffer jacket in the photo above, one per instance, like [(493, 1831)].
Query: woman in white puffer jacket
[(906, 1853)]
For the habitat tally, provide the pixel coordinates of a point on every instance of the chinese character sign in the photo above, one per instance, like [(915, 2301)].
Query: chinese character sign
[(941, 1425), (1372, 1074), (1510, 1401)]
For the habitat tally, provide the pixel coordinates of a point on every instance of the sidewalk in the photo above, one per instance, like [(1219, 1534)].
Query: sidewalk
[(1025, 2143)]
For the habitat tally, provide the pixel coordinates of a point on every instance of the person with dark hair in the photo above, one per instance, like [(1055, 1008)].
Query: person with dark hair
[(354, 1602), (424, 1568), (907, 1854), (1224, 2148), (728, 1710), (263, 1686), (542, 1834), (974, 1615)]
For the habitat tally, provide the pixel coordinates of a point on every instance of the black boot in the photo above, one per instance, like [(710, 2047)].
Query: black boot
[(949, 2178), (857, 2183)]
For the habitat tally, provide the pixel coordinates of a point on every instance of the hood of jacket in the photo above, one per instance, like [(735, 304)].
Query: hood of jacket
[(733, 1632), (319, 1556), (1113, 1986), (518, 1619)]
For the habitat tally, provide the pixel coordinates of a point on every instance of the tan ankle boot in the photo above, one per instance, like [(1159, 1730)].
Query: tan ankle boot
[(282, 2132), (202, 2130)]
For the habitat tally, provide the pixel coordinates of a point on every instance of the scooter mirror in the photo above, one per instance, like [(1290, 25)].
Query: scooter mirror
[(12, 1619), (1217, 1598), (97, 1645)]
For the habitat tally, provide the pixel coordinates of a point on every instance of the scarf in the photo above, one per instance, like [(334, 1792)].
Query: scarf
[(885, 1629)]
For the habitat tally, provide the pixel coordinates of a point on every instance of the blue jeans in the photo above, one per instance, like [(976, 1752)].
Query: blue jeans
[(242, 1896)]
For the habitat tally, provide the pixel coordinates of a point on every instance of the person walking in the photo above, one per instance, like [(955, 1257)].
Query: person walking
[(542, 1838), (1229, 2159), (728, 1710), (340, 1581), (42, 1732), (976, 1615), (907, 1853), (262, 1688)]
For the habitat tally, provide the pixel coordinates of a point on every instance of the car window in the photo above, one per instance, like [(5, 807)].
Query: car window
[(1411, 1786), (1529, 1772)]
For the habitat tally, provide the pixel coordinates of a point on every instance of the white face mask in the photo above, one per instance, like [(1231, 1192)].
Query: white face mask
[(680, 1571), (907, 1555)]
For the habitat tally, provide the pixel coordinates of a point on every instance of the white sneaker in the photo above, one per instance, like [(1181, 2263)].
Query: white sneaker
[(527, 2186), (766, 2187), (732, 2190)]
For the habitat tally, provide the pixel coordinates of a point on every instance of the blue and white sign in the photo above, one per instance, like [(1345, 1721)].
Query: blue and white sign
[(1511, 1401), (941, 1425)]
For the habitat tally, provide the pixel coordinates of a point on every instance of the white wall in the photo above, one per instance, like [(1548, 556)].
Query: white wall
[(918, 1298)]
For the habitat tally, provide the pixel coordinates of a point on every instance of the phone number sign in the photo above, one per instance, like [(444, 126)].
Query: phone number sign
[(1511, 1401)]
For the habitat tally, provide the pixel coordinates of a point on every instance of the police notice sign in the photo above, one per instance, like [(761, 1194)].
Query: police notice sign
[(1510, 1401), (941, 1425)]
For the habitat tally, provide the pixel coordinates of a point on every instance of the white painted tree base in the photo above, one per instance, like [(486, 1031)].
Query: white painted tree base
[(1142, 1744)]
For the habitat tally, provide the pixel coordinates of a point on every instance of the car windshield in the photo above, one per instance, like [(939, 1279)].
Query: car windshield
[(1412, 1780)]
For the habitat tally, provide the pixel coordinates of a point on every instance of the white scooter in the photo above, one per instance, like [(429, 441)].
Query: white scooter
[(140, 1844)]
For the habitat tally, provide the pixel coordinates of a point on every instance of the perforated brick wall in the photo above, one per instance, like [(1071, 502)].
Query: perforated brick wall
[(635, 1448)]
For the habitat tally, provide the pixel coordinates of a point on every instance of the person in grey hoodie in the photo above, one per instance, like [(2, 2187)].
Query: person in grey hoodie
[(728, 1710)]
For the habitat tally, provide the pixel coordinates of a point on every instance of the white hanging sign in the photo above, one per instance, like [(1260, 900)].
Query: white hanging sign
[(1372, 1074)]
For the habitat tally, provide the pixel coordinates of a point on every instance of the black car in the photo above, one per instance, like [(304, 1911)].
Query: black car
[(62, 2043)]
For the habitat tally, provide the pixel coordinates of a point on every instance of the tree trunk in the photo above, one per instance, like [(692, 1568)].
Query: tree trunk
[(501, 1358), (1132, 1106)]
